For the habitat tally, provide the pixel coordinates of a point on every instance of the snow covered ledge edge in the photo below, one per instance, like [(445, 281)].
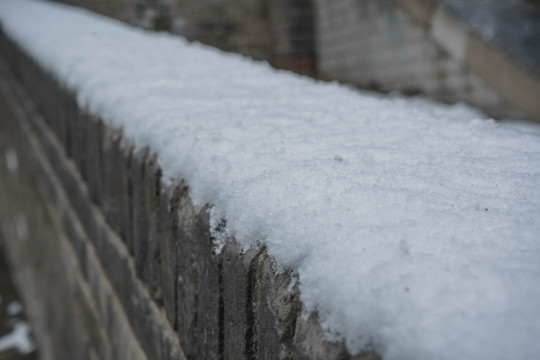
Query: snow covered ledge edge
[(233, 305)]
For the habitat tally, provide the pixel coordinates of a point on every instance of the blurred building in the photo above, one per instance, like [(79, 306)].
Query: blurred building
[(483, 52), (279, 31)]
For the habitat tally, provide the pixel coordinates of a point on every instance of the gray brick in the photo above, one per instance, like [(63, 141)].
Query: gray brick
[(208, 325), (188, 278), (152, 269), (277, 308), (239, 314), (94, 134), (138, 203), (111, 175), (169, 236)]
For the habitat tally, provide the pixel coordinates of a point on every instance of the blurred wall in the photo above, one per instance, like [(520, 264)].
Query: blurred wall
[(279, 31), (484, 52), (373, 44), (450, 50)]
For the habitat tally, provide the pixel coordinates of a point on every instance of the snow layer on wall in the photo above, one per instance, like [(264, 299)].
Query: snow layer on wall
[(414, 227)]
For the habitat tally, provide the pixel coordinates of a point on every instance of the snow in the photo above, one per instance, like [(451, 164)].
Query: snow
[(18, 339), (413, 227), (14, 308)]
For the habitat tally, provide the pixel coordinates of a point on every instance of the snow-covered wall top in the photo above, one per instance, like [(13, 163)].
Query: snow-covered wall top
[(413, 227)]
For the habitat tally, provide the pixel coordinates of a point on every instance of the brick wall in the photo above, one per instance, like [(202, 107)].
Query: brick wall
[(113, 263)]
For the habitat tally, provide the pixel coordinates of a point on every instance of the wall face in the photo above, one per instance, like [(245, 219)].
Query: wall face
[(278, 31), (374, 44), (410, 46), (114, 264), (232, 25)]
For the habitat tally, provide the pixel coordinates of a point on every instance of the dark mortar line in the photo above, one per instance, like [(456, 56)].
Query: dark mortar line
[(175, 199), (97, 196), (292, 318), (49, 213), (129, 242), (221, 310), (157, 258), (38, 125), (251, 326), (69, 126), (141, 244)]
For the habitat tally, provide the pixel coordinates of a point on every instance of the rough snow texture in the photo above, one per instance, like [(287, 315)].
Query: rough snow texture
[(414, 228)]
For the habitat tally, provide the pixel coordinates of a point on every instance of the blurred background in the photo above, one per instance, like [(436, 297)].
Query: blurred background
[(482, 52)]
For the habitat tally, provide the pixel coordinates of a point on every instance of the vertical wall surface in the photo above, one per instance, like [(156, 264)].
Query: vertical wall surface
[(484, 53), (114, 264), (429, 47), (278, 31), (374, 44)]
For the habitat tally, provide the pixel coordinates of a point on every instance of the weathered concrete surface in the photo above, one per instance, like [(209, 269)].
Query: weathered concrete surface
[(46, 267), (428, 47), (123, 323), (12, 314), (114, 262)]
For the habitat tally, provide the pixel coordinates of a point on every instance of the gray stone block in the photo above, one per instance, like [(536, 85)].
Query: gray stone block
[(209, 312), (238, 287), (73, 114), (113, 178), (97, 338), (76, 237), (138, 203), (198, 292), (123, 164), (145, 196), (152, 266), (311, 344), (94, 134), (188, 275), (148, 326), (277, 308), (80, 143), (72, 119), (170, 196)]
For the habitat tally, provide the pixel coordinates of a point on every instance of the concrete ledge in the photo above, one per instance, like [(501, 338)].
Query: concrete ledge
[(130, 260)]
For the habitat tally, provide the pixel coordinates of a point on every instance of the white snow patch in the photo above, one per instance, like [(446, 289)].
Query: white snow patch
[(14, 308), (413, 227), (18, 339)]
